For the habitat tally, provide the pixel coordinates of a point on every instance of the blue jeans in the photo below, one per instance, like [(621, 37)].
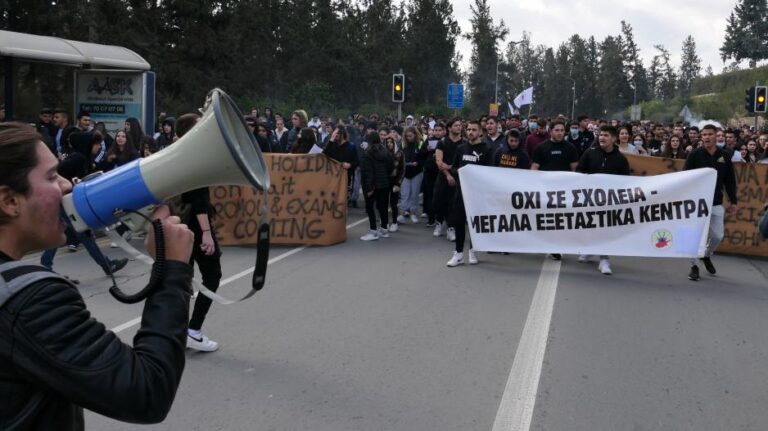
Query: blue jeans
[(88, 241)]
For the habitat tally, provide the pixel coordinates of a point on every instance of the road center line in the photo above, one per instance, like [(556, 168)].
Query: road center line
[(516, 409), (238, 276)]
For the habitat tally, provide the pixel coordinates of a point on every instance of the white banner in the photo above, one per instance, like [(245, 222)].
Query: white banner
[(522, 211), (524, 98)]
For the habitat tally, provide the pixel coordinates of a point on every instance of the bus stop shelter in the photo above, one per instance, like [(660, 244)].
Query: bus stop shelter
[(46, 49)]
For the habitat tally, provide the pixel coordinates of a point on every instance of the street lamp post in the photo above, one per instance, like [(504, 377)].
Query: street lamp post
[(573, 100)]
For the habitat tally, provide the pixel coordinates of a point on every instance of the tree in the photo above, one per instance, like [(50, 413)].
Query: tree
[(633, 64), (485, 56), (690, 66), (662, 76), (746, 35), (430, 40), (614, 88)]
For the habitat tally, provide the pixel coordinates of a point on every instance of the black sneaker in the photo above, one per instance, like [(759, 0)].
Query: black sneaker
[(708, 264), (556, 256), (117, 265), (694, 274)]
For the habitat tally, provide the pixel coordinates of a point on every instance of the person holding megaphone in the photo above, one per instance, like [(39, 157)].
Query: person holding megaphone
[(55, 359)]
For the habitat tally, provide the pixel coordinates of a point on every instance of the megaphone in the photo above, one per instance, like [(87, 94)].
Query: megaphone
[(218, 150)]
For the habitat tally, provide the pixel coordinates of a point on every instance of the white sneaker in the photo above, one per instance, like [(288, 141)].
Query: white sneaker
[(402, 219), (383, 232), (438, 230), (372, 235), (112, 245), (605, 267), (451, 234), (472, 257), (414, 218), (202, 344), (584, 258), (424, 215), (393, 227), (456, 260)]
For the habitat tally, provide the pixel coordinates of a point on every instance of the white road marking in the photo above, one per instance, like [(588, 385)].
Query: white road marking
[(237, 276), (516, 409)]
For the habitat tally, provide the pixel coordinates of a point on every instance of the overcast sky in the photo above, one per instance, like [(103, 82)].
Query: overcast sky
[(665, 22)]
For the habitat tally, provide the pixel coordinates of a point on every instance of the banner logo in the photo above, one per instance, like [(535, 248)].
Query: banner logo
[(662, 238)]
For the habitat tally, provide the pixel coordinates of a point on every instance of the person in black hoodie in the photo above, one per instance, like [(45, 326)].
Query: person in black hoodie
[(205, 250), (342, 151), (167, 134), (512, 155), (55, 358), (603, 159), (430, 172), (414, 156), (376, 166), (395, 178)]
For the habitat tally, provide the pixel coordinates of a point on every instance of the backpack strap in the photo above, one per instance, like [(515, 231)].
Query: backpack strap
[(15, 276)]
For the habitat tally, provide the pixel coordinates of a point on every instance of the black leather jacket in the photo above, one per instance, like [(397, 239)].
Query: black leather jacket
[(55, 359)]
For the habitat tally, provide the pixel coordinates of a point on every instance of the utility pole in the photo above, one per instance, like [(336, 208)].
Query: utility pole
[(400, 105)]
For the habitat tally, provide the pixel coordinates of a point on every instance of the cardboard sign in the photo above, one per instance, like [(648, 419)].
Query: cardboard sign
[(741, 234), (307, 203)]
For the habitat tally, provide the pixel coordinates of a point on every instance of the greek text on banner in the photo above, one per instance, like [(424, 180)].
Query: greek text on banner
[(521, 211)]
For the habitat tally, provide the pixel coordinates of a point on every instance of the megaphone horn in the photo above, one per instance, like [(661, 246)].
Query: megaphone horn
[(219, 150)]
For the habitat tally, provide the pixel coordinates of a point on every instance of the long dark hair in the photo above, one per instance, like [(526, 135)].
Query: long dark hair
[(127, 154), (135, 133)]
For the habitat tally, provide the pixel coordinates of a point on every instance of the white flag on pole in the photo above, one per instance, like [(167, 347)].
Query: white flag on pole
[(524, 98), (512, 109)]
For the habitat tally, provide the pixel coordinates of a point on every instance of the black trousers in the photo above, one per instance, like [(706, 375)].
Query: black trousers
[(394, 198), (379, 198), (428, 190), (459, 217), (210, 270), (443, 200)]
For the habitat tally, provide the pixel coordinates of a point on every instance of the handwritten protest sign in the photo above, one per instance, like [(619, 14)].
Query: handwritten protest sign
[(307, 203), (741, 235)]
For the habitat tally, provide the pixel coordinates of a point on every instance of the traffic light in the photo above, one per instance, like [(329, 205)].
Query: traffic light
[(409, 87), (398, 88), (749, 100), (761, 93)]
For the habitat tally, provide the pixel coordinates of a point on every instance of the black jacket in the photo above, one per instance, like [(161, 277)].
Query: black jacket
[(56, 360), (417, 154), (345, 152), (596, 161), (721, 162), (376, 166)]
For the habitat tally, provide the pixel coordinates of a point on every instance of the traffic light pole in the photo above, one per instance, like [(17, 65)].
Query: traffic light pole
[(756, 114), (400, 105)]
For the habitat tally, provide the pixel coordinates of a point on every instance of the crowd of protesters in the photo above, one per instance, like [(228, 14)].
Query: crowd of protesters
[(406, 171)]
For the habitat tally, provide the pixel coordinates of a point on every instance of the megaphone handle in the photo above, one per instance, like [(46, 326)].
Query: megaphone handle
[(158, 271), (262, 258)]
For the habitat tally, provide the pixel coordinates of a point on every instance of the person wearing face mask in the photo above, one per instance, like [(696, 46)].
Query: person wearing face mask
[(576, 138), (627, 146), (539, 134)]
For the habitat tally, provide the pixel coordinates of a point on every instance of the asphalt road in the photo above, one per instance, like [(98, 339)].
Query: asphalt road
[(382, 336)]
